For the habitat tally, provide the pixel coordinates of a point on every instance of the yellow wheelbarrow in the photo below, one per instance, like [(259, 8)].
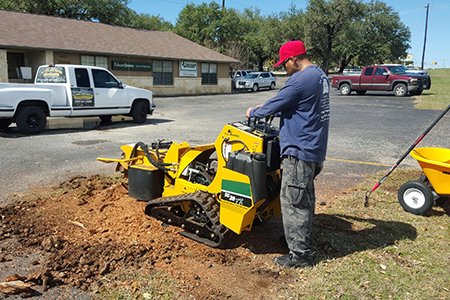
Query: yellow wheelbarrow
[(418, 197)]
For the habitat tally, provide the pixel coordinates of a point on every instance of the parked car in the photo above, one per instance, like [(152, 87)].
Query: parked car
[(256, 80), (238, 74), (70, 91), (381, 78), (413, 69), (352, 71)]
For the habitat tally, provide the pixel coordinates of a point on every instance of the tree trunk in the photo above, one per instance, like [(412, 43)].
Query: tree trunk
[(344, 62), (261, 60)]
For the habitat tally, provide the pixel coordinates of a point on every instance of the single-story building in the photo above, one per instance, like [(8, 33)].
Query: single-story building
[(163, 62)]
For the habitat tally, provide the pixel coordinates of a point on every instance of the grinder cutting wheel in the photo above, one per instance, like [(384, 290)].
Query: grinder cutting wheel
[(208, 190)]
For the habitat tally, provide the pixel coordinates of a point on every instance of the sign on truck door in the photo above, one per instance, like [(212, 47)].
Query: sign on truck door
[(83, 99)]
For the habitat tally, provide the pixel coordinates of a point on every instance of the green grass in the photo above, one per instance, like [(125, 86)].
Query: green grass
[(379, 252), (438, 97), (135, 286)]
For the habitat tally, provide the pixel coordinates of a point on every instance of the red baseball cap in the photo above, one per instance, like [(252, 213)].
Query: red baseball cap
[(289, 49)]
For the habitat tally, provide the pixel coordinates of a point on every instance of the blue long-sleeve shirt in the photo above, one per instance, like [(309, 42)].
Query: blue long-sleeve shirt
[(304, 107)]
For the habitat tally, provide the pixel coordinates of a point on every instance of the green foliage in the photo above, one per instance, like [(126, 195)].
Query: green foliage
[(256, 37), (291, 25), (336, 32), (225, 30), (388, 38), (339, 32), (201, 24), (113, 12), (146, 21), (325, 20)]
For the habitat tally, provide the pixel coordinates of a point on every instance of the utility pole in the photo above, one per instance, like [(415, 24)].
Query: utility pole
[(223, 4), (425, 37)]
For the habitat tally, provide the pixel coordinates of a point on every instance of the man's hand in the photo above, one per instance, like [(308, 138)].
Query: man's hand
[(248, 112), (250, 109)]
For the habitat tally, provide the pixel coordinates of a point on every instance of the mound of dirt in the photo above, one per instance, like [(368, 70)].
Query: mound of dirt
[(89, 231)]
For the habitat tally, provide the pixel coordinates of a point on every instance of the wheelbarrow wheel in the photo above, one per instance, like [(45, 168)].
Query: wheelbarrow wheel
[(416, 197)]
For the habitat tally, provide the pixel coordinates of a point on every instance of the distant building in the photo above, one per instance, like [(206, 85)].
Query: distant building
[(409, 60), (163, 62)]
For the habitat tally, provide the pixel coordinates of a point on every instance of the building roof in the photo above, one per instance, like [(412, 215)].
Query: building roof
[(22, 30)]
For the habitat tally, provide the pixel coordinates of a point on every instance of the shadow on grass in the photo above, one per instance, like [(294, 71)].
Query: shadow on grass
[(339, 235), (334, 236), (444, 203)]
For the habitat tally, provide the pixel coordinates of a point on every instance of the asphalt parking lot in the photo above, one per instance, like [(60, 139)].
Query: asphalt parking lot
[(368, 133)]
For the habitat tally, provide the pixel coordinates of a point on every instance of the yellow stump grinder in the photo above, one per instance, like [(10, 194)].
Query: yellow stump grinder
[(212, 189)]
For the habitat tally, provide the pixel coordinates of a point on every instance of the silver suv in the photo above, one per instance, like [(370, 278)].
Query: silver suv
[(256, 80), (238, 74)]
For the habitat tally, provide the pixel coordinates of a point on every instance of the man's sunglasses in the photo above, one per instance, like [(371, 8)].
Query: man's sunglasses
[(286, 60)]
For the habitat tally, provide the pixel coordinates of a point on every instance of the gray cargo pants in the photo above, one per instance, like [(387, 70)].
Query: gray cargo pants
[(298, 203)]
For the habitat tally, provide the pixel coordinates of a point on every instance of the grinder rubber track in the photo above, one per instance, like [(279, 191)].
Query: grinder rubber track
[(201, 222)]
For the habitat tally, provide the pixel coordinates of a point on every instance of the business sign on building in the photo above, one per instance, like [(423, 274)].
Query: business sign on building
[(131, 66), (188, 69)]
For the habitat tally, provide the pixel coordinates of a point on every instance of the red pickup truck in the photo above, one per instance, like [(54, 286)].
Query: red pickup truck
[(382, 78)]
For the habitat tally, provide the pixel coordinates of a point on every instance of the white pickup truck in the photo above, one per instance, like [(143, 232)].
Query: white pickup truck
[(70, 91)]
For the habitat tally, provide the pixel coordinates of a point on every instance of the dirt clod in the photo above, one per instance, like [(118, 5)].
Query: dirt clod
[(89, 229)]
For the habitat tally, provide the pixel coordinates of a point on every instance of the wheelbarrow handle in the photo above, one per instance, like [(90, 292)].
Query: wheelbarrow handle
[(420, 138)]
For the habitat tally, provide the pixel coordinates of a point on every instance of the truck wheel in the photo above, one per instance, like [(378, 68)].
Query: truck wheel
[(400, 90), (345, 89), (106, 119), (139, 112), (31, 119), (361, 92), (415, 197), (255, 88), (272, 86), (4, 123)]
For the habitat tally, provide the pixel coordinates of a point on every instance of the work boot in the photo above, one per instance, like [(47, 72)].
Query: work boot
[(292, 260)]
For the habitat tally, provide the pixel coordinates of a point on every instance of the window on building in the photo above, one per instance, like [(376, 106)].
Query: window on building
[(15, 61), (209, 73), (103, 79), (162, 72), (82, 78), (90, 60)]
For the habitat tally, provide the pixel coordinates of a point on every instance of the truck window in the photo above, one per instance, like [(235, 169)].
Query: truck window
[(368, 72), (380, 71), (51, 74), (82, 77), (103, 79)]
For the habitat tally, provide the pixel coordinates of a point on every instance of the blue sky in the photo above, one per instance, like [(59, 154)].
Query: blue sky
[(411, 12)]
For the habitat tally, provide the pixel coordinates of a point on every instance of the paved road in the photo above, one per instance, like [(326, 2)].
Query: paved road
[(374, 128)]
